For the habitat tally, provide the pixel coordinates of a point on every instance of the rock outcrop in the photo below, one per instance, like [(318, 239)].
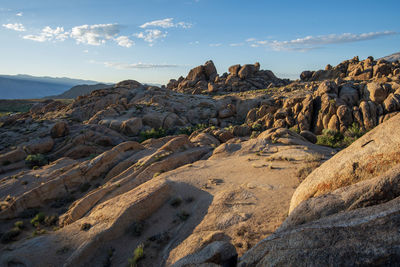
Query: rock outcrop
[(354, 69), (204, 79)]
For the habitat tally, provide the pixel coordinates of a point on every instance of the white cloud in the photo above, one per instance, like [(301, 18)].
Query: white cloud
[(15, 26), (151, 36), (94, 34), (166, 23), (236, 44), (215, 45), (315, 42), (49, 34), (124, 41), (118, 65), (194, 43), (86, 51), (19, 14)]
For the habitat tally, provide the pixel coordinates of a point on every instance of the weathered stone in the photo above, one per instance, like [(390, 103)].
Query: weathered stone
[(309, 136), (219, 252), (60, 129), (132, 126), (375, 92), (246, 71)]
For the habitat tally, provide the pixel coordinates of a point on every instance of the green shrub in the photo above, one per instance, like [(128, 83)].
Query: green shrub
[(19, 224), (38, 219), (338, 140), (295, 129), (138, 254), (153, 133), (36, 160), (256, 127), (190, 129), (330, 138), (38, 232)]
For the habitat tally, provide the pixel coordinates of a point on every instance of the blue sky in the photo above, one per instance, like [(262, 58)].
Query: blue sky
[(156, 40)]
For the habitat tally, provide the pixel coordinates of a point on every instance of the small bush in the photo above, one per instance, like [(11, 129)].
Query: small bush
[(38, 219), (138, 254), (256, 127), (190, 129), (38, 232), (36, 160), (330, 138), (338, 140), (19, 224), (295, 129), (153, 133)]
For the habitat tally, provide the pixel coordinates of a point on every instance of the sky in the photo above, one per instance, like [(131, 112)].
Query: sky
[(156, 40)]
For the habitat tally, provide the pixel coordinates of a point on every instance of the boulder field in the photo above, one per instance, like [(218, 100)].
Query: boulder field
[(209, 170)]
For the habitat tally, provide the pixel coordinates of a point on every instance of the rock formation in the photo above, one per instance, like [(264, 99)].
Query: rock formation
[(204, 79), (204, 172)]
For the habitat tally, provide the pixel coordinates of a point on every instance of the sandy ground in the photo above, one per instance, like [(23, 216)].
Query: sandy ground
[(242, 196)]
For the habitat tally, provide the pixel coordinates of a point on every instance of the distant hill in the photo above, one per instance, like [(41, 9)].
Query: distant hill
[(79, 90), (393, 57), (30, 87)]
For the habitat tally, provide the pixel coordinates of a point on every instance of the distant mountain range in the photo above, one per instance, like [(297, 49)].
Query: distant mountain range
[(31, 87), (393, 57), (79, 90)]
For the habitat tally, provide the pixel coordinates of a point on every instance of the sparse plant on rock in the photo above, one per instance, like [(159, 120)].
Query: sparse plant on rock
[(35, 160), (138, 254)]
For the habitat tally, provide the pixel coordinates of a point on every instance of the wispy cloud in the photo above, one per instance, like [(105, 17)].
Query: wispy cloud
[(315, 42), (95, 34), (215, 45), (194, 43), (15, 26), (119, 65), (166, 23), (236, 44), (19, 14), (151, 36), (48, 34), (124, 41)]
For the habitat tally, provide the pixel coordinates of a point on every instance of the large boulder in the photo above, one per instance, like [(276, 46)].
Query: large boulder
[(362, 237), (210, 70), (375, 92), (247, 71), (219, 252), (132, 126), (367, 157), (40, 145), (196, 74), (60, 129)]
